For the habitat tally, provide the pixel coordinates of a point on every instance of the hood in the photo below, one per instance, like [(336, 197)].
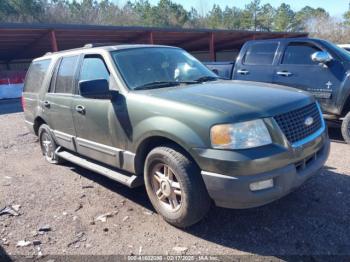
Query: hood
[(240, 99)]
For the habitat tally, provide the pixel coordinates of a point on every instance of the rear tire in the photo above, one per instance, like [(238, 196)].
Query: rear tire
[(48, 145), (345, 128), (175, 187)]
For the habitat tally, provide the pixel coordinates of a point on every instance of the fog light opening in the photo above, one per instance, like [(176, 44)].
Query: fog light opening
[(261, 185)]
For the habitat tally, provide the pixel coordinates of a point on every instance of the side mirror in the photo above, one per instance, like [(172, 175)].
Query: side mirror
[(96, 89), (321, 57)]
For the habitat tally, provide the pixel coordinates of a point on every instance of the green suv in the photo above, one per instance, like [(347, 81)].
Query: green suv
[(154, 115)]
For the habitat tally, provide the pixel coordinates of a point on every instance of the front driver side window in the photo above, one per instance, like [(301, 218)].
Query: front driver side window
[(299, 53), (93, 68)]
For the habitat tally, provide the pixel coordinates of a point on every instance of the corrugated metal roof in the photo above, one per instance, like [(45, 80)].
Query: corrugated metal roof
[(22, 41)]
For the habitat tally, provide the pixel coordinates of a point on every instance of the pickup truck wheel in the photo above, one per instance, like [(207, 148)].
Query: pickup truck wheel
[(345, 128), (175, 187), (48, 145)]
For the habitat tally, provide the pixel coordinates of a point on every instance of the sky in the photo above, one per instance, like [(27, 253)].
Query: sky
[(334, 7)]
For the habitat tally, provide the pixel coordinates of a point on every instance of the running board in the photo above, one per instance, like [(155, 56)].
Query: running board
[(123, 178)]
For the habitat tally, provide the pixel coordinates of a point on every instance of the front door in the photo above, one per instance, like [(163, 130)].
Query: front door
[(57, 103), (297, 69), (94, 118)]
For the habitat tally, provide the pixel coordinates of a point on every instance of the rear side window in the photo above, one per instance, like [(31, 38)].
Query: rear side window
[(260, 54), (66, 75), (299, 54), (93, 68), (36, 75)]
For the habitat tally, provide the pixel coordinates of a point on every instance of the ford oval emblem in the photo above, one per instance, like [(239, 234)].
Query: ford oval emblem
[(309, 121)]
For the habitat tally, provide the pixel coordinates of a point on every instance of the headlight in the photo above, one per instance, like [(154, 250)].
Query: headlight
[(240, 135)]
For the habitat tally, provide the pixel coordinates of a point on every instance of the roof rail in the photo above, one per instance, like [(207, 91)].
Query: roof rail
[(91, 45)]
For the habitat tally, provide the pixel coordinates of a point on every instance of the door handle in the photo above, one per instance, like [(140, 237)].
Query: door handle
[(46, 104), (284, 73), (243, 71), (80, 109)]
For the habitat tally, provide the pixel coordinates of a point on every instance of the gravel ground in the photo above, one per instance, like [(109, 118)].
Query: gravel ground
[(314, 220)]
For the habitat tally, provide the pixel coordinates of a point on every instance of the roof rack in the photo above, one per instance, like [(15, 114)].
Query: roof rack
[(91, 45)]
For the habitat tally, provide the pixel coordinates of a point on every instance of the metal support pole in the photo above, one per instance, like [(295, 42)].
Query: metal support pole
[(53, 41), (151, 38), (212, 47)]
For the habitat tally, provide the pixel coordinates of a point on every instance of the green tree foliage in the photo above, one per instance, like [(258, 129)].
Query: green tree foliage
[(254, 13), (23, 10), (267, 17), (284, 19), (306, 14), (166, 13), (232, 18), (346, 17), (215, 17)]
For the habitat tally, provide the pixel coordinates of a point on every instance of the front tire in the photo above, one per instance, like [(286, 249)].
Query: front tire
[(175, 187), (48, 145), (345, 128)]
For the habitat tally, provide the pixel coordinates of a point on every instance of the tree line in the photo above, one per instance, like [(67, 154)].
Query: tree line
[(166, 13)]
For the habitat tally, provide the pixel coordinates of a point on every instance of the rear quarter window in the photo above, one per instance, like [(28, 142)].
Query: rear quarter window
[(36, 75), (260, 54)]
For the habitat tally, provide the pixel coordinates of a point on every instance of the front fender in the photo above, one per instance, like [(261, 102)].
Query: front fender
[(343, 93), (169, 128)]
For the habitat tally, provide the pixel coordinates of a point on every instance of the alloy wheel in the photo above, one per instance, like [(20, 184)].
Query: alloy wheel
[(47, 146), (166, 187)]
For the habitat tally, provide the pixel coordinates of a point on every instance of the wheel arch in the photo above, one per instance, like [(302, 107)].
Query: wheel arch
[(346, 107), (37, 123), (151, 142)]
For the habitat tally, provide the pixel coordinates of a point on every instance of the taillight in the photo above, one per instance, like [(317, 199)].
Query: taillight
[(23, 102)]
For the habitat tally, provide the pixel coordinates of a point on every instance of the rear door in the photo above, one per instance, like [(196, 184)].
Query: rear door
[(57, 103), (297, 69), (36, 80), (256, 61)]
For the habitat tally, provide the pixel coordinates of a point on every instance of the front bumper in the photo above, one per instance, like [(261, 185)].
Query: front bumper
[(288, 168)]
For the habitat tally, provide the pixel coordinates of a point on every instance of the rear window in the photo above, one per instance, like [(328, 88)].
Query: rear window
[(36, 75), (260, 54)]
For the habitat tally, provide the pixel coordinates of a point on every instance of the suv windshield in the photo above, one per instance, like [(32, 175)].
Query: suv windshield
[(156, 67)]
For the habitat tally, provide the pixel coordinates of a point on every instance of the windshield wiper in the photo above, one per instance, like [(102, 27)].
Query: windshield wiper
[(159, 84), (206, 78)]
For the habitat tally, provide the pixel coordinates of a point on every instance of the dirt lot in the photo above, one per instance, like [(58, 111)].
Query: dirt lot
[(314, 220)]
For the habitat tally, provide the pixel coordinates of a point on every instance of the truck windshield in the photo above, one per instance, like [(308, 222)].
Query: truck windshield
[(156, 67), (344, 54)]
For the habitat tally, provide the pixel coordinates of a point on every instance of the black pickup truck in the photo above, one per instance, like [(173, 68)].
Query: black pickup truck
[(313, 65)]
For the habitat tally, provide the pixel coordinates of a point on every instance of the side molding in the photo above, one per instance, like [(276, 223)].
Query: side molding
[(113, 156)]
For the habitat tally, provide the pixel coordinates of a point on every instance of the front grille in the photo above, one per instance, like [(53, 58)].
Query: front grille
[(293, 123)]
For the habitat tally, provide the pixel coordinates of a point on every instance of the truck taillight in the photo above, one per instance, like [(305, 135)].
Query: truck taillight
[(23, 102)]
